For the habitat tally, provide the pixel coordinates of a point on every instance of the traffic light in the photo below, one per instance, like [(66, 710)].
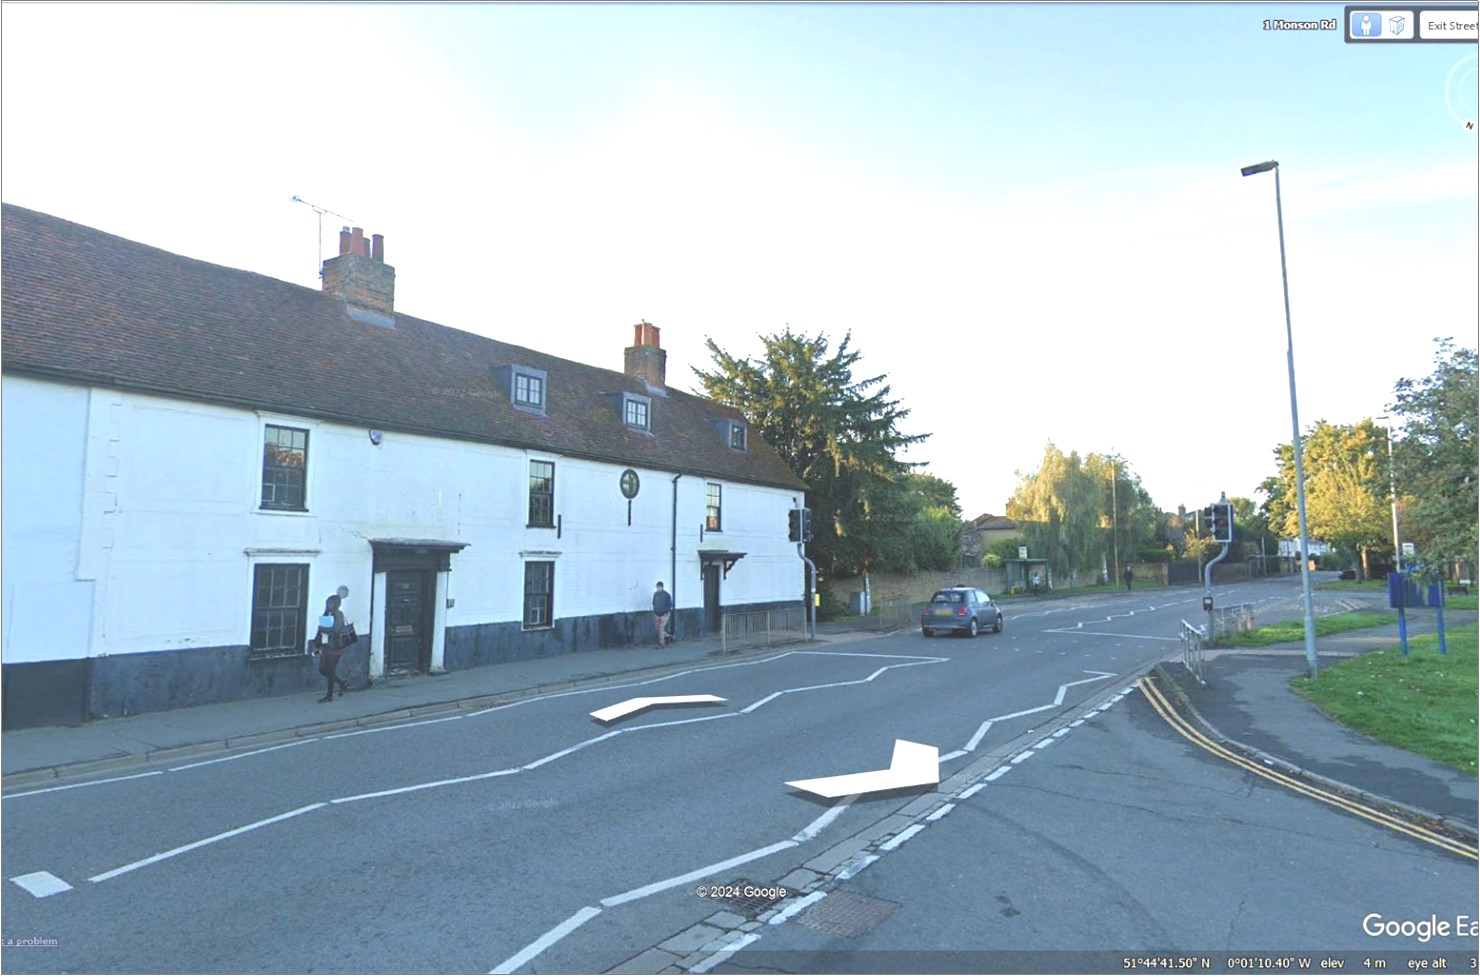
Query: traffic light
[(1223, 523), (794, 525), (806, 525), (1207, 520)]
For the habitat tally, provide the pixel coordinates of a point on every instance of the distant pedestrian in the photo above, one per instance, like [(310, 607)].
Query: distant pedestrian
[(662, 608), (1037, 581), (330, 644), (1129, 576)]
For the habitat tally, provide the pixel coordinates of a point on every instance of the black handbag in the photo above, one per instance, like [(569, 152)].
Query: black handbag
[(348, 636)]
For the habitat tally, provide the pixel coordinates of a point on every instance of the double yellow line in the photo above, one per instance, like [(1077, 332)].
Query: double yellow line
[(1174, 719)]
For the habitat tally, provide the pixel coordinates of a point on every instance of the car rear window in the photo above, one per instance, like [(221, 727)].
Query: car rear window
[(947, 597)]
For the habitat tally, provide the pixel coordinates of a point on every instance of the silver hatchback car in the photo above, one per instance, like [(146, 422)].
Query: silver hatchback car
[(964, 609)]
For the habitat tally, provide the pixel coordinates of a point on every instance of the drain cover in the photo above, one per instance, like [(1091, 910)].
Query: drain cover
[(846, 914), (751, 898)]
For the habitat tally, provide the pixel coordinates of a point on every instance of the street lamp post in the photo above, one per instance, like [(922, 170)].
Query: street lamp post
[(1310, 617), (1393, 492), (1114, 518)]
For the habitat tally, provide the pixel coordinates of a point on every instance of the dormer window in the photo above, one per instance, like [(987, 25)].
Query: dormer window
[(737, 436), (529, 389), (637, 412), (526, 387)]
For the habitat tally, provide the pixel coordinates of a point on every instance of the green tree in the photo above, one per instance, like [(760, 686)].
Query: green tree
[(839, 434), (1437, 456), (1345, 489), (1128, 516), (1058, 510)]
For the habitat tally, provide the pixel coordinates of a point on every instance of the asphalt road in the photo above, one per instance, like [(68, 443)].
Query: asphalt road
[(533, 837)]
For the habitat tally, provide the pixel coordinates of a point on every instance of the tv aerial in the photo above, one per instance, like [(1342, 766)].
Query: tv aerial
[(321, 211)]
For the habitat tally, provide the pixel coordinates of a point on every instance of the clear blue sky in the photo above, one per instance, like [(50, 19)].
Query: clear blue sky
[(1029, 215)]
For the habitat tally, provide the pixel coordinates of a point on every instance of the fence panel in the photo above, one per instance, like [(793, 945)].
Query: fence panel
[(752, 629)]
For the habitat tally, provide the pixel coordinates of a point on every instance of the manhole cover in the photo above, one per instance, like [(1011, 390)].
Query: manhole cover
[(751, 898), (846, 914)]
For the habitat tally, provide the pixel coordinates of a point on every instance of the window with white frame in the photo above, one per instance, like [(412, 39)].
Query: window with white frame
[(284, 467), (529, 389), (737, 436), (637, 412), (539, 594), (542, 493), (711, 507)]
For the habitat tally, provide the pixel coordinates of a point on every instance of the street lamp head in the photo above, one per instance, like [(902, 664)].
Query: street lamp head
[(1263, 167)]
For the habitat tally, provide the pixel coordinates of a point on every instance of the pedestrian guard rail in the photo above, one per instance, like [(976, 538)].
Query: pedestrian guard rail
[(890, 616), (1192, 651), (1232, 620), (761, 629)]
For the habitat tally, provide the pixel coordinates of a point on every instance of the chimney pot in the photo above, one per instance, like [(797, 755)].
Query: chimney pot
[(357, 241), (344, 239), (377, 247), (645, 358)]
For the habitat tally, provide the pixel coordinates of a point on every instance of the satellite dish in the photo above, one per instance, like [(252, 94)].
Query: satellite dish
[(343, 591)]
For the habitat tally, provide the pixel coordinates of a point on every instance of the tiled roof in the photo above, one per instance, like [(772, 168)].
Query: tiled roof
[(83, 306), (986, 521)]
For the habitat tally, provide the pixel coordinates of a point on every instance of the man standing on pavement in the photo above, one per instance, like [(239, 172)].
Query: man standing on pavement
[(662, 607), (1130, 575)]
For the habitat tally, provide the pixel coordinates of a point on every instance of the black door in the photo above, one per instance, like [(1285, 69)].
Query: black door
[(408, 645), (711, 598)]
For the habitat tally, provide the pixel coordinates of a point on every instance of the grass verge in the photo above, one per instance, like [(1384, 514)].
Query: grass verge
[(1287, 631), (1424, 703)]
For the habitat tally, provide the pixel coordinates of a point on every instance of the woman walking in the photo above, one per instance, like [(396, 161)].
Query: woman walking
[(331, 647)]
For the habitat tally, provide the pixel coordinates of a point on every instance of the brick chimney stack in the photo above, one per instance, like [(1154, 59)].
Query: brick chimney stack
[(360, 276), (645, 359)]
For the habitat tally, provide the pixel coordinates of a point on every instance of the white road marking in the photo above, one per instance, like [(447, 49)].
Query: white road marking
[(720, 956), (629, 707), (1046, 741), (995, 774), (800, 904), (902, 837), (1114, 634), (697, 874), (571, 749), (386, 729), (268, 749), (972, 791), (856, 867), (1058, 699), (545, 942), (1062, 731), (41, 884), (207, 841), (976, 738), (837, 685), (912, 765), (952, 756), (940, 812), (427, 786), (823, 820), (1025, 712), (90, 783), (1021, 757), (1077, 722)]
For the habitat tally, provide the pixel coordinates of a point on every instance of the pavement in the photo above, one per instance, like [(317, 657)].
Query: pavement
[(1246, 702)]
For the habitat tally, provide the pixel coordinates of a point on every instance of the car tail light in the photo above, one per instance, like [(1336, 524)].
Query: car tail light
[(961, 611)]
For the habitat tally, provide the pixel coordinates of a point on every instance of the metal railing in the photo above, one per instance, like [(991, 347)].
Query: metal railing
[(1232, 620), (890, 617), (751, 629), (1192, 651)]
